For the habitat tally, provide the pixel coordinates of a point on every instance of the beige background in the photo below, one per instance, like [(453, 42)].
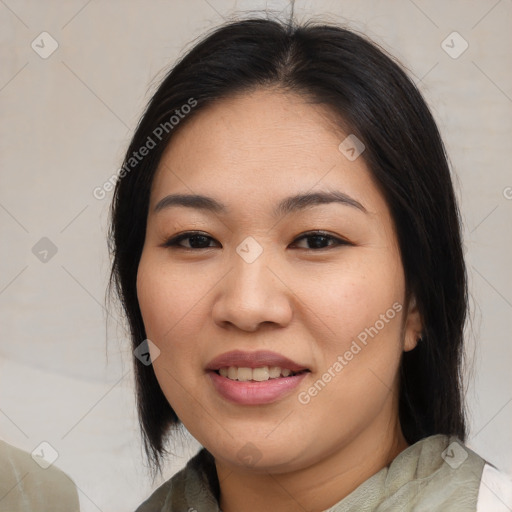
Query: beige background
[(66, 121)]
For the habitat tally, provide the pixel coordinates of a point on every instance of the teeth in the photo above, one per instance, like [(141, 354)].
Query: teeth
[(244, 374), (258, 374), (274, 372)]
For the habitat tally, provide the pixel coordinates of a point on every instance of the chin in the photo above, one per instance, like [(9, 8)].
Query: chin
[(259, 454)]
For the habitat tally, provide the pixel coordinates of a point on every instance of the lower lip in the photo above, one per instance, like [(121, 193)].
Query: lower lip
[(255, 393)]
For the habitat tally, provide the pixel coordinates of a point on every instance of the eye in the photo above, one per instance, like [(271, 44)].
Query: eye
[(196, 240), (320, 239)]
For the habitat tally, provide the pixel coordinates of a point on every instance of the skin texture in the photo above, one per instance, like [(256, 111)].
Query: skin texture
[(307, 303)]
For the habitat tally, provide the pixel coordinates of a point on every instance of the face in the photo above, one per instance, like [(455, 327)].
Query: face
[(237, 296)]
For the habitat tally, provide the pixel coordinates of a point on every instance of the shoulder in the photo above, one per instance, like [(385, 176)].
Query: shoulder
[(438, 472), (495, 491), (479, 481), (28, 484), (196, 484)]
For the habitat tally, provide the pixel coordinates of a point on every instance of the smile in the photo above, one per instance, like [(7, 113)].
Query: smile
[(260, 374)]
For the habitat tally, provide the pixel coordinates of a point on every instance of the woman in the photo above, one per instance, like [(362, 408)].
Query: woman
[(287, 249)]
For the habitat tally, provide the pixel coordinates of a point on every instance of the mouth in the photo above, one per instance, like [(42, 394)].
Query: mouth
[(255, 378), (259, 366)]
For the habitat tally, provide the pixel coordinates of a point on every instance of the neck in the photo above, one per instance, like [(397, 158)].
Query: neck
[(316, 487)]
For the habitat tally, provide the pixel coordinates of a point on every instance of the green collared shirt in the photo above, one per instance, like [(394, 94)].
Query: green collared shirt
[(438, 473)]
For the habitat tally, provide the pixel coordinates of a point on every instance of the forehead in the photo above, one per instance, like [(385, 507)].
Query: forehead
[(264, 123), (259, 146)]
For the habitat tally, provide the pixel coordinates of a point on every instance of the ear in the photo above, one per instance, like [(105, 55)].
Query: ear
[(413, 326)]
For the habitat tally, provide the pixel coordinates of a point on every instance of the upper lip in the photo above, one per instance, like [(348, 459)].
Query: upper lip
[(256, 359)]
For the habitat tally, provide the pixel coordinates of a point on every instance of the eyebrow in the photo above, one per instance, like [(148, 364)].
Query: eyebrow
[(287, 205)]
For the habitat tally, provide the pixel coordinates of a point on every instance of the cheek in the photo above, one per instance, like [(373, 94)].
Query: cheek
[(359, 349), (163, 296), (153, 301), (357, 314), (169, 311), (354, 298), (171, 308)]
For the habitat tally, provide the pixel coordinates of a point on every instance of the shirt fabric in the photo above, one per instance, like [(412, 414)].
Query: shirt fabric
[(26, 486), (438, 473)]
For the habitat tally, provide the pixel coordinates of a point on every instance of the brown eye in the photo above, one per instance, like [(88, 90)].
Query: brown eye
[(196, 241), (321, 240)]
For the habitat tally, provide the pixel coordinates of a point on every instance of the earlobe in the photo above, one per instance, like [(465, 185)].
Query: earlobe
[(413, 326)]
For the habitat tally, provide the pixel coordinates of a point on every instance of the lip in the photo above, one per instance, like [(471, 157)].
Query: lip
[(255, 393), (256, 359)]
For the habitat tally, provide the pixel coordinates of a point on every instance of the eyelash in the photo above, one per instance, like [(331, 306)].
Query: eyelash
[(174, 242)]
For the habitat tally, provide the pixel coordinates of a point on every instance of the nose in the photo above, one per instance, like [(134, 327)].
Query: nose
[(252, 294)]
